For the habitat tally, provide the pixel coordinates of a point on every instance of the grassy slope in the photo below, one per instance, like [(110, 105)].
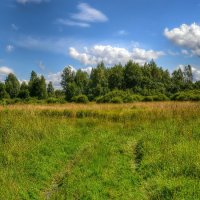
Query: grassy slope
[(153, 154)]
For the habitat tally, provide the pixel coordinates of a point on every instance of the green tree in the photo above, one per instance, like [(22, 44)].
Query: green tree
[(50, 90), (98, 81), (132, 75), (68, 83), (24, 91), (187, 73), (37, 86), (12, 85), (42, 90), (33, 84), (3, 93), (82, 79), (177, 81), (116, 77)]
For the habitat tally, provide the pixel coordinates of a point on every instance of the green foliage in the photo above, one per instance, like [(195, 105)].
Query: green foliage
[(53, 100), (23, 94), (124, 96), (116, 100), (59, 94), (68, 83), (98, 84), (50, 90), (191, 95), (3, 93), (146, 82), (12, 85), (37, 86), (82, 81), (159, 97), (116, 77), (80, 99)]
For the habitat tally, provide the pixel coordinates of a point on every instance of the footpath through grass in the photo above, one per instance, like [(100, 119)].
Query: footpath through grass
[(144, 151)]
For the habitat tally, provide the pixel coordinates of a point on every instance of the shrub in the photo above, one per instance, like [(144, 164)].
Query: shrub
[(80, 99), (160, 97), (124, 96), (191, 95), (23, 94), (148, 98), (116, 100), (132, 98), (52, 100)]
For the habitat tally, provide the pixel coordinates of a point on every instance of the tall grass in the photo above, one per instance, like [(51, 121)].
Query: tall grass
[(131, 151)]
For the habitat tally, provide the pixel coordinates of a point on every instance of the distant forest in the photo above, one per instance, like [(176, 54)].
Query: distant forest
[(117, 84)]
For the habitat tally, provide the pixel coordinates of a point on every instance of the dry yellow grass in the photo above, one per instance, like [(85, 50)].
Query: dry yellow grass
[(172, 106)]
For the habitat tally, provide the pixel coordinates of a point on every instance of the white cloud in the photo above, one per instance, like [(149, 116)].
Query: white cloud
[(122, 33), (113, 55), (84, 17), (68, 22), (31, 1), (9, 48), (187, 36), (196, 73), (89, 14), (5, 70), (184, 52), (87, 69), (55, 78)]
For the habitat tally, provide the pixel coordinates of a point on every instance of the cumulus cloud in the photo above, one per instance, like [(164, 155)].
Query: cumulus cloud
[(5, 70), (196, 73), (9, 48), (187, 36), (113, 55), (89, 14), (31, 1)]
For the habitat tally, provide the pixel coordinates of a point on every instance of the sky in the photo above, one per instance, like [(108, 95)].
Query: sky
[(48, 35)]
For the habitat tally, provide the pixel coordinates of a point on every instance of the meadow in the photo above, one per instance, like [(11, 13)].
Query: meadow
[(140, 151)]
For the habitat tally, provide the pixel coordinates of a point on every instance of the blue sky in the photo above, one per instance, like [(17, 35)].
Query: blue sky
[(47, 35)]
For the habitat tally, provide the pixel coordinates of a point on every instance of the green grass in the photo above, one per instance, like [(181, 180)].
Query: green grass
[(137, 153)]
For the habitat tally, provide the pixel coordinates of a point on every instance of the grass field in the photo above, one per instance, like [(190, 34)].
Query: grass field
[(100, 151)]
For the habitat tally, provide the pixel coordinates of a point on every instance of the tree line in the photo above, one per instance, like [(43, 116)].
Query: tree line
[(144, 80)]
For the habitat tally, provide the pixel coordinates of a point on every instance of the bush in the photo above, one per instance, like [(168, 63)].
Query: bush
[(132, 98), (52, 100), (124, 96), (23, 94), (191, 95), (116, 100), (148, 98), (159, 97), (80, 99)]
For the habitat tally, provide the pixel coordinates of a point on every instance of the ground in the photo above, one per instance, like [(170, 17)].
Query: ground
[(100, 151)]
